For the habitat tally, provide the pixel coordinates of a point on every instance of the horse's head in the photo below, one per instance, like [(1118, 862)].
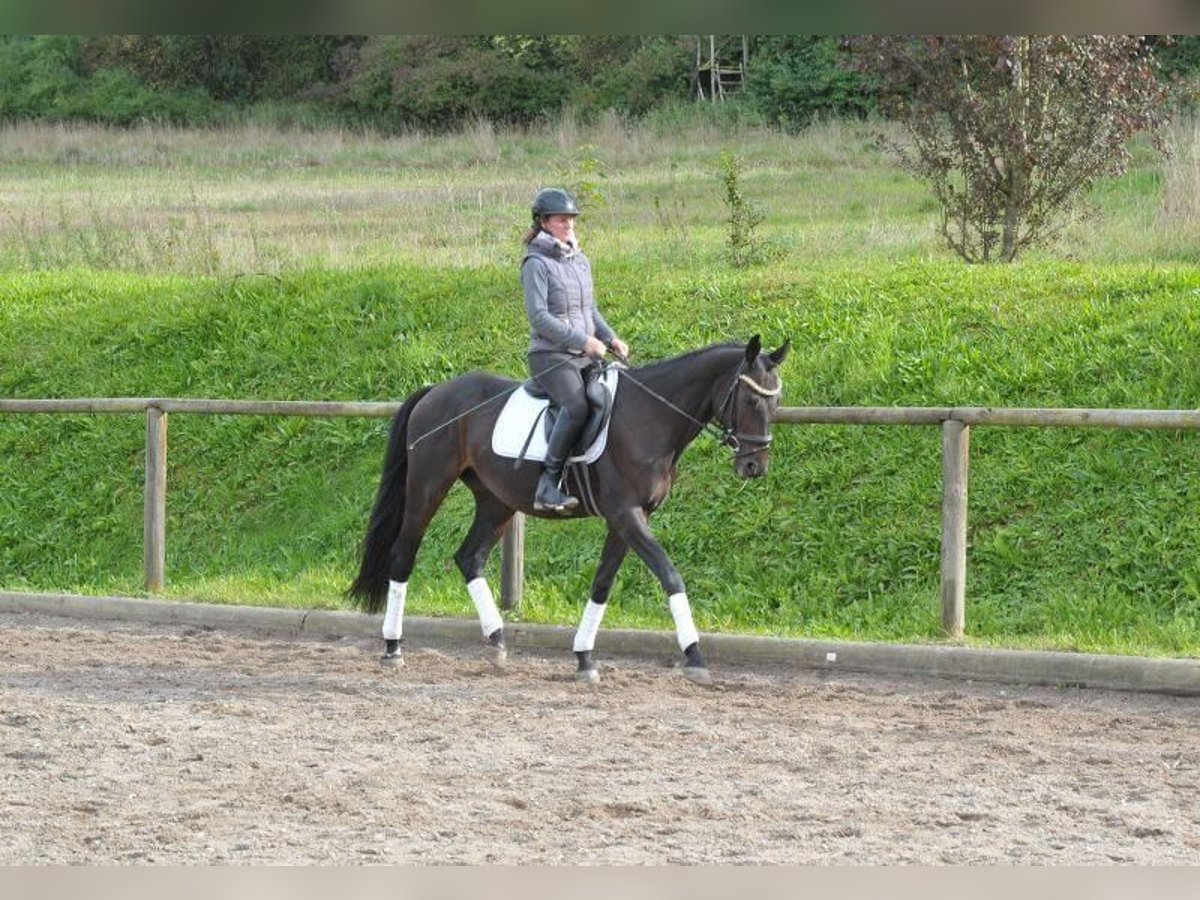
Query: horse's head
[(746, 405)]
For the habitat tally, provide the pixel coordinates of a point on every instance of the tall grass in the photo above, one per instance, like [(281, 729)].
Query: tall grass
[(1179, 215), (265, 199)]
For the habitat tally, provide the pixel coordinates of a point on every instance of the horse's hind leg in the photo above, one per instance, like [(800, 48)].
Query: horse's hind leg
[(424, 495), (491, 518), (611, 558)]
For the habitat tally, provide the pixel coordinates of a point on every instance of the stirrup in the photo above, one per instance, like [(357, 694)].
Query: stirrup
[(568, 504), (558, 501)]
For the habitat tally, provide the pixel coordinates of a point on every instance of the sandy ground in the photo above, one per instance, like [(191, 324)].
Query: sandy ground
[(155, 744)]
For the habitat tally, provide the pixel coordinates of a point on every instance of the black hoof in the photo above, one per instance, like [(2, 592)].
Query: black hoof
[(392, 657), (694, 669), (497, 653), (587, 673)]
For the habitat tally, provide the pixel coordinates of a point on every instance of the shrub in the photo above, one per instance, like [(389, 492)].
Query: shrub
[(46, 78), (658, 71), (439, 82), (796, 78), (228, 67), (746, 246), (1009, 131)]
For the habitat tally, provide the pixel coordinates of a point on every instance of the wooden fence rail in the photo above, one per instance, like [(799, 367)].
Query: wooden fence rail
[(955, 422)]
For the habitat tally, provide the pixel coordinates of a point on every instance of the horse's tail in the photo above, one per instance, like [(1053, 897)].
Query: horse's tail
[(369, 590)]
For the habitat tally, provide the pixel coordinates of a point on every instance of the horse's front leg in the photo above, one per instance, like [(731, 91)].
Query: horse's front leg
[(634, 529), (611, 558)]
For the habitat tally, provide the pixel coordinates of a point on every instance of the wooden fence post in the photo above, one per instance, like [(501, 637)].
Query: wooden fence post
[(956, 441), (155, 512), (512, 563)]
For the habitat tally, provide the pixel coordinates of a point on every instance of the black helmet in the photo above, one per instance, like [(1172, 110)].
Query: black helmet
[(552, 201)]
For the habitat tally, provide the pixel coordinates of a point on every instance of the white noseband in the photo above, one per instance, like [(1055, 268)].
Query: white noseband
[(759, 389)]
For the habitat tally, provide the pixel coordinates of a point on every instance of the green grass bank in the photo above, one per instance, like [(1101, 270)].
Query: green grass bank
[(1079, 539)]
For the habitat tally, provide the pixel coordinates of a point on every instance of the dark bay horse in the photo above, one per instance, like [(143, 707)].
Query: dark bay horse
[(443, 433)]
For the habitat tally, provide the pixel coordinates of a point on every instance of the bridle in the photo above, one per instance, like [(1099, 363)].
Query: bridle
[(727, 434), (724, 432)]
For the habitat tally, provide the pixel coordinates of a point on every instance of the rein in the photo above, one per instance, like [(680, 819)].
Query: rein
[(724, 435), (478, 406)]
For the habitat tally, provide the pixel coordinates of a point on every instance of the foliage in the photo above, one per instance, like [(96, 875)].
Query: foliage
[(745, 245), (46, 78), (227, 67), (439, 81), (1178, 55), (1010, 130), (402, 82), (797, 78), (584, 174), (657, 71)]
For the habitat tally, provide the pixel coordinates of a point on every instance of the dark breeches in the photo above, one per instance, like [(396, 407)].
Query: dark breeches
[(564, 384)]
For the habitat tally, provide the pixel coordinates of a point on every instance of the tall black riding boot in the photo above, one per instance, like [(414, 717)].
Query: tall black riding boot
[(549, 497)]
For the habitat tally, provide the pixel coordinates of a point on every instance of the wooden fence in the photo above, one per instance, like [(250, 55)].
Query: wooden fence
[(955, 422)]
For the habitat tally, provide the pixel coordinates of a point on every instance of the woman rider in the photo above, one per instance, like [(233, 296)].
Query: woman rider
[(567, 331)]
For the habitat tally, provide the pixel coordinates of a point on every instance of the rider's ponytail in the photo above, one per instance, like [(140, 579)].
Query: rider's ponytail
[(534, 230)]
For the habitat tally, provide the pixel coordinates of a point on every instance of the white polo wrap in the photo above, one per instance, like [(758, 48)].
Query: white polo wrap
[(681, 612), (589, 624), (489, 615), (393, 619)]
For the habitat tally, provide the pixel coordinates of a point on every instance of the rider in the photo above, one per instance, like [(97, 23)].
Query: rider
[(566, 331)]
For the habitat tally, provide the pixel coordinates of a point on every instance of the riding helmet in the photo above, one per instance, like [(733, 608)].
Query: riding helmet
[(553, 201)]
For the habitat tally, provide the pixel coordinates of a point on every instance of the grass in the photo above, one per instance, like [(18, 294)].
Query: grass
[(222, 201), (284, 265), (1080, 540)]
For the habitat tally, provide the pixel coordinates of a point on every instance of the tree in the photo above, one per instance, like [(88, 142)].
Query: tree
[(1010, 130)]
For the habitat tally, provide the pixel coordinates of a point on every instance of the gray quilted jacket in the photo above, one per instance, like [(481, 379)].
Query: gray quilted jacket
[(559, 299)]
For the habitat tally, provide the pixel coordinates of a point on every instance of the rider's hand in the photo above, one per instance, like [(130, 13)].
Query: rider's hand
[(619, 347), (594, 348)]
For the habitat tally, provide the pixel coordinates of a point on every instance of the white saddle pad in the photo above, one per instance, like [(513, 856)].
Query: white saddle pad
[(512, 428)]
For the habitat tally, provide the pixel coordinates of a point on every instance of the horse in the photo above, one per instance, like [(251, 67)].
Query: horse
[(442, 434)]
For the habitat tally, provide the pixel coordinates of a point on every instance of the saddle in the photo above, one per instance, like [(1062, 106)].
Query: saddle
[(524, 424), (599, 408)]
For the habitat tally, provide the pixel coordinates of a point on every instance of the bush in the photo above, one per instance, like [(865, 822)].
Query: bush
[(657, 72), (228, 67), (35, 73), (46, 78), (796, 78), (438, 82), (407, 81), (115, 97)]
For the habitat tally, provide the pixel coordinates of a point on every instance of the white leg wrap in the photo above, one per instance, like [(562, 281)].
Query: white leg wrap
[(393, 619), (681, 612), (585, 637), (489, 615)]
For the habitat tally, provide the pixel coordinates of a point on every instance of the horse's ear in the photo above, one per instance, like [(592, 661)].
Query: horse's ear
[(778, 356), (753, 349)]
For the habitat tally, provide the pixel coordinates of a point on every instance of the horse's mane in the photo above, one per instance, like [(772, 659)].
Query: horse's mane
[(654, 368)]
